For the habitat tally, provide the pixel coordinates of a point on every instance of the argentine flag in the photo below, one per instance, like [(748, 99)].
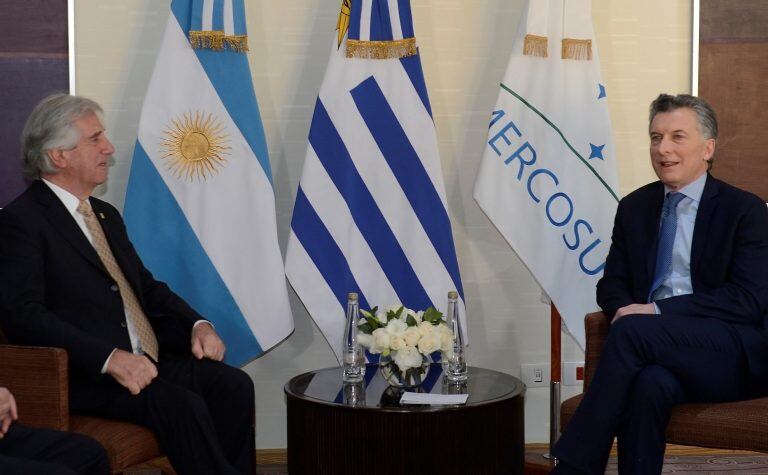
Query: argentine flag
[(200, 207), (548, 175), (370, 213)]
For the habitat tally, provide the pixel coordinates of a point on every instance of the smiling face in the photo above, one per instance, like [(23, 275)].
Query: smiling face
[(85, 166), (679, 151)]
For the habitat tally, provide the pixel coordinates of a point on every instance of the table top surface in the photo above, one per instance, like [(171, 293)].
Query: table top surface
[(325, 386)]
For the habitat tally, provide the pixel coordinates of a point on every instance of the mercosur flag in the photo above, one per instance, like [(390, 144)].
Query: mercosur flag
[(370, 213), (200, 205), (548, 175)]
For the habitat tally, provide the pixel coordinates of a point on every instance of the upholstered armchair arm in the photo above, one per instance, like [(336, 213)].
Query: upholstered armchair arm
[(37, 377), (596, 326)]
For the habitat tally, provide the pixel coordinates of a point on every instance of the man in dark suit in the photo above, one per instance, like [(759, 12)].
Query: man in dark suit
[(686, 285), (69, 277), (29, 451)]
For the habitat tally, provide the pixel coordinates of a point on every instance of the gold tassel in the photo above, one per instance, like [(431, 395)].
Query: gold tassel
[(381, 49), (577, 49), (217, 41), (535, 45), (237, 43)]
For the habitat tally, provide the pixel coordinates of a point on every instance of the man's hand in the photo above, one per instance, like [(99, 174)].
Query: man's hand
[(206, 343), (8, 412), (132, 371), (634, 308)]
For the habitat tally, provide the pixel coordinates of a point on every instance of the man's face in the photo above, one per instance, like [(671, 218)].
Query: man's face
[(679, 152), (86, 165)]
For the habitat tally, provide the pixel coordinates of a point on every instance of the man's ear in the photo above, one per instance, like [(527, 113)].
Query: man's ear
[(709, 149), (56, 157)]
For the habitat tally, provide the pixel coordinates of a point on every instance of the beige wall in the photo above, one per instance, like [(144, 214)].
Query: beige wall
[(465, 44)]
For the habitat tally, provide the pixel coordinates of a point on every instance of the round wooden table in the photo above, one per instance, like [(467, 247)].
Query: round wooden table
[(336, 428)]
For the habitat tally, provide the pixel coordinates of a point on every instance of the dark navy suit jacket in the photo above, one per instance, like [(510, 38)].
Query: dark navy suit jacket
[(729, 264), (55, 291)]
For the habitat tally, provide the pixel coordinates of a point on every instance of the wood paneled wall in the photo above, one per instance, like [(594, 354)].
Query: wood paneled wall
[(33, 64), (733, 77)]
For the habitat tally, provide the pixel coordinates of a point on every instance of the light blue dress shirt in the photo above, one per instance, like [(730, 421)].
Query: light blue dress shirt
[(679, 280)]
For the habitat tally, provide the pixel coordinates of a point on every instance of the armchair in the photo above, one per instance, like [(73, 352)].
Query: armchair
[(38, 379), (735, 425)]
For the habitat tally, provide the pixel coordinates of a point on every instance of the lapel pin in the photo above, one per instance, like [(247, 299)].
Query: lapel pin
[(102, 215)]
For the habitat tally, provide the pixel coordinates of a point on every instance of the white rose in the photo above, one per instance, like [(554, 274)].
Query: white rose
[(446, 336), (426, 328), (364, 339), (446, 342), (448, 354), (380, 342), (396, 327), (407, 358), (396, 342), (412, 336), (429, 343)]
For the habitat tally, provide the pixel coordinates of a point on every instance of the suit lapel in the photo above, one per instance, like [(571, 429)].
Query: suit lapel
[(651, 223), (64, 224), (707, 207)]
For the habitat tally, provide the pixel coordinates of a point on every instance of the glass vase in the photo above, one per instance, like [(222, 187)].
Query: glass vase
[(409, 378)]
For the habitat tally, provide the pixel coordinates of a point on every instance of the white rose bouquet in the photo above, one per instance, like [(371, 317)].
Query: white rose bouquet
[(405, 339)]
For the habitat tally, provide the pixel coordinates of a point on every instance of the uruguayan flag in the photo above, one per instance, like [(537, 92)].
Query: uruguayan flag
[(370, 213), (548, 175), (200, 206)]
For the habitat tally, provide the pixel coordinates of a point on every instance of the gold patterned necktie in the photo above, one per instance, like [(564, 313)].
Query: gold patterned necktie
[(132, 306)]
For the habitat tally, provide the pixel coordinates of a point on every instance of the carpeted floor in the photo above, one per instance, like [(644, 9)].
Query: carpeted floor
[(679, 460), (708, 464)]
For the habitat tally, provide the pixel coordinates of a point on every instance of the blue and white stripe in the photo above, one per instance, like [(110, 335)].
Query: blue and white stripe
[(216, 15), (371, 212), (215, 240)]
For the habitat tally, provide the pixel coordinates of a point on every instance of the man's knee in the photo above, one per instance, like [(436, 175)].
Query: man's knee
[(236, 385), (654, 385)]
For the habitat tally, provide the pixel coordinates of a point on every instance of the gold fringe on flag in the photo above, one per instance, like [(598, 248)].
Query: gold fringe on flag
[(237, 43), (535, 45), (577, 49), (381, 49), (217, 41)]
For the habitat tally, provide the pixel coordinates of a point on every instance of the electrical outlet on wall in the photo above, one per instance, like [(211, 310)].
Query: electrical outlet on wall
[(535, 375), (573, 373)]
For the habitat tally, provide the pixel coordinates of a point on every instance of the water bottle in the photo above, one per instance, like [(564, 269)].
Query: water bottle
[(456, 369), (353, 358)]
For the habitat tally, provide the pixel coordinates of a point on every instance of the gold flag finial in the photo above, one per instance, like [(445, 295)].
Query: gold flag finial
[(343, 24)]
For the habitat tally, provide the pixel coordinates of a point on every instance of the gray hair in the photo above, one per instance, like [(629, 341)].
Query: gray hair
[(705, 114), (51, 126)]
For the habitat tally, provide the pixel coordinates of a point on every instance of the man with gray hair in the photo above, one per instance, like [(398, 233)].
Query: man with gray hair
[(686, 287), (70, 278)]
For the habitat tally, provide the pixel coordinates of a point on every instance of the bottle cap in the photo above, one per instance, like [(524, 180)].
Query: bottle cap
[(352, 296), (453, 294)]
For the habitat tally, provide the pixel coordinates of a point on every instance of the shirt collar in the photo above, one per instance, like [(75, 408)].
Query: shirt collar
[(692, 190), (69, 200)]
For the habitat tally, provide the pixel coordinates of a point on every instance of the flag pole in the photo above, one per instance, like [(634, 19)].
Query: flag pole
[(554, 388)]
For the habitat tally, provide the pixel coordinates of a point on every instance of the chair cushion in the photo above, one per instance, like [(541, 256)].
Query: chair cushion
[(126, 444), (739, 425)]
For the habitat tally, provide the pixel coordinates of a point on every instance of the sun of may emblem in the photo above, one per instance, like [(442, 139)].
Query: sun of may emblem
[(195, 145)]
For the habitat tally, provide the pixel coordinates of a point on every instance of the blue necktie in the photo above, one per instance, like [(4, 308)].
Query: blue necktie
[(666, 241)]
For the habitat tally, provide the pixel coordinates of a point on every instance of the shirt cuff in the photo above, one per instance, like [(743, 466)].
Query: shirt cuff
[(203, 321), (656, 308), (106, 363)]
